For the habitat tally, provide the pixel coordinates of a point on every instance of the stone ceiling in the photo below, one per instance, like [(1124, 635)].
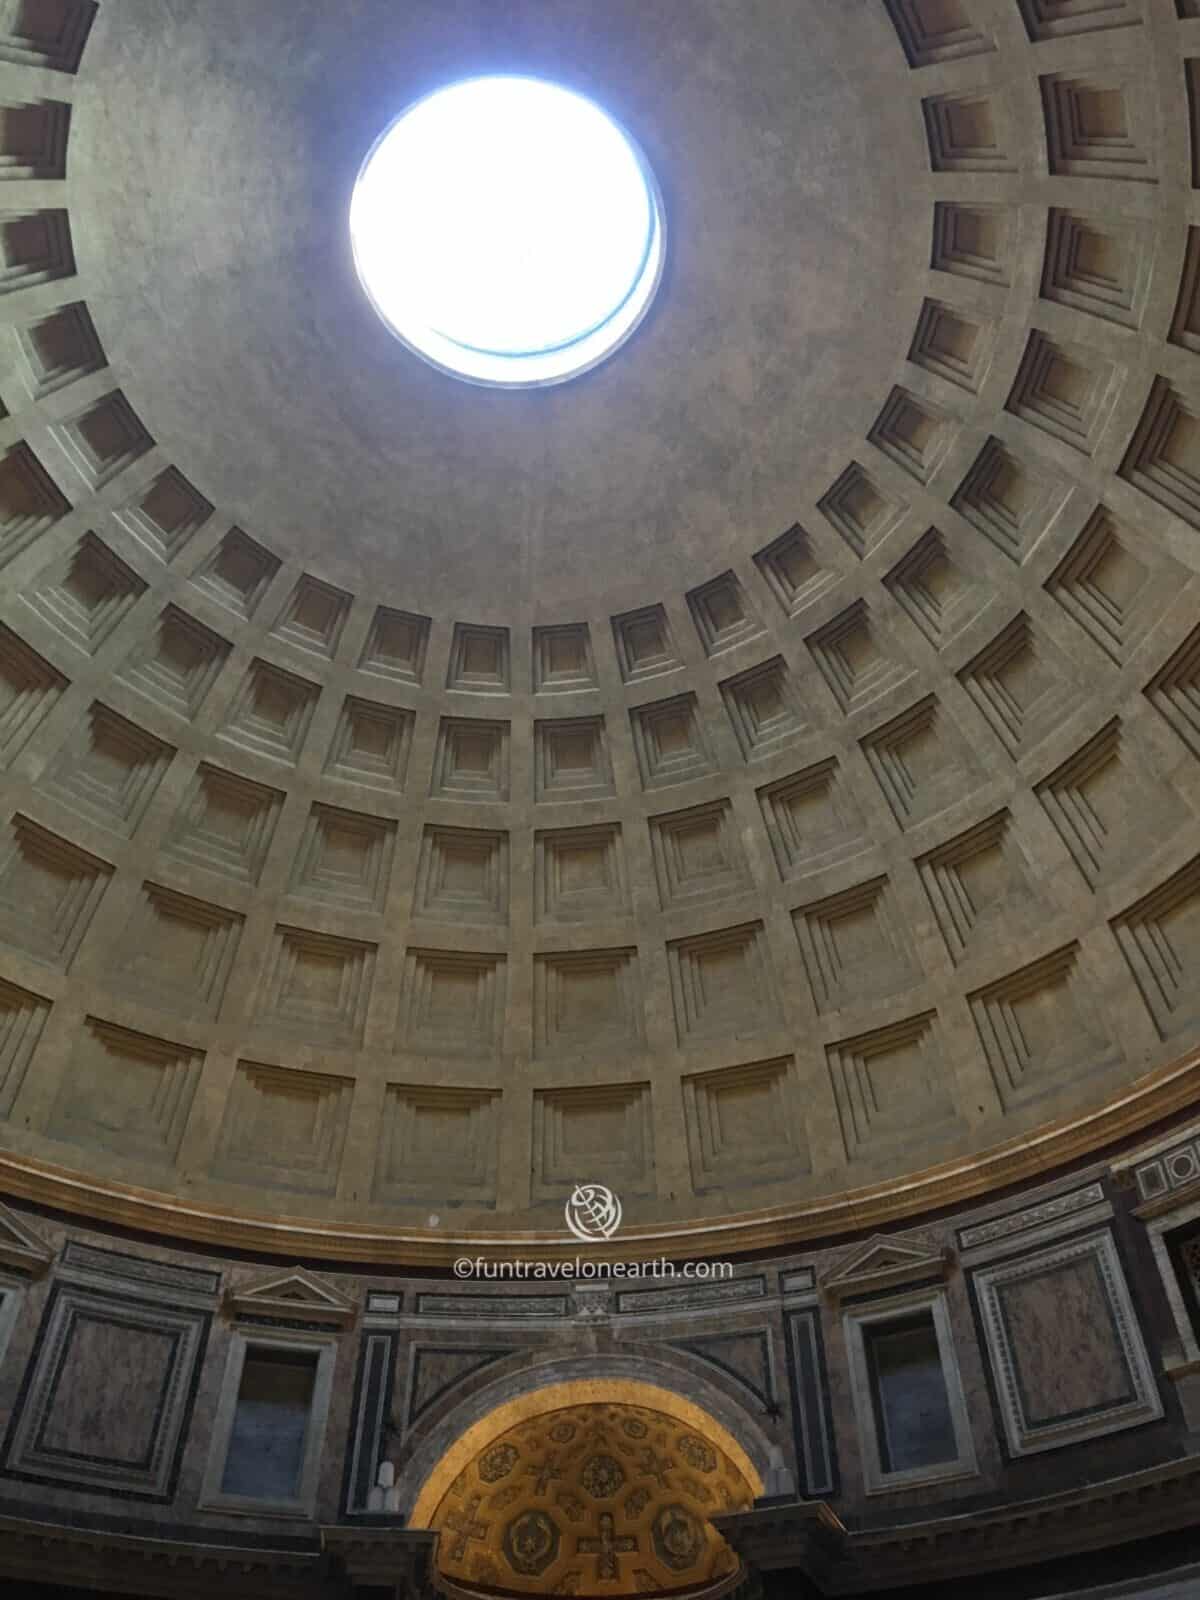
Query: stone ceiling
[(221, 284), (751, 775)]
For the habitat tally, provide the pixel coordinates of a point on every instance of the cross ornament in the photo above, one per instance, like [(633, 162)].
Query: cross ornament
[(544, 1475), (607, 1547), (465, 1525)]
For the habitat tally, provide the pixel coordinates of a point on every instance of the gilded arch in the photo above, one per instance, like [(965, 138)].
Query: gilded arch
[(643, 1378), (588, 1486)]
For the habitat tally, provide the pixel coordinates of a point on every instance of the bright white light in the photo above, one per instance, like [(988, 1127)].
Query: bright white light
[(508, 230)]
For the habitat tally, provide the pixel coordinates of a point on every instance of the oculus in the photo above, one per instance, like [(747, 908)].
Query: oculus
[(508, 231)]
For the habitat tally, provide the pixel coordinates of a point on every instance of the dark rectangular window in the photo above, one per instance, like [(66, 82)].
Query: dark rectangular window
[(265, 1459), (908, 1391)]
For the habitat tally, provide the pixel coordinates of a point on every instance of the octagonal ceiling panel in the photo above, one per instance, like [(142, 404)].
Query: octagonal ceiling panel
[(592, 1499)]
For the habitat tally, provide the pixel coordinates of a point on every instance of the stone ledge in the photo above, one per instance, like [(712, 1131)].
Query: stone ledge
[(810, 1537)]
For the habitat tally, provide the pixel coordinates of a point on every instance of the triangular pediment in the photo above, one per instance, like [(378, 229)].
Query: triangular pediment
[(884, 1260), (20, 1247), (294, 1295)]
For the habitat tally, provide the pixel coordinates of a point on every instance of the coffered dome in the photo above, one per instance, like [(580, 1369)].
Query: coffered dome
[(758, 774)]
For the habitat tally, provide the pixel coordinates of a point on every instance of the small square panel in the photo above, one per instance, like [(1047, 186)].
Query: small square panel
[(479, 659), (745, 1126), (571, 760), (1152, 1180), (283, 1129), (463, 876), (698, 855), (471, 761), (579, 874), (562, 659), (581, 1128), (644, 643), (1182, 1166)]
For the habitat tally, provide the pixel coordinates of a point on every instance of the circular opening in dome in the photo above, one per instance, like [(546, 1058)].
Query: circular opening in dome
[(508, 231)]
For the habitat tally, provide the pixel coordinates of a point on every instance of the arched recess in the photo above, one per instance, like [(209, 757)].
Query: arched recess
[(644, 1381)]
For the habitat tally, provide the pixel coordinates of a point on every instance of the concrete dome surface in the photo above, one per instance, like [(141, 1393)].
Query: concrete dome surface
[(759, 774)]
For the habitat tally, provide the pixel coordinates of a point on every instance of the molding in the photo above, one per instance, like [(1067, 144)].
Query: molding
[(456, 1308), (46, 1552), (295, 1296), (12, 1292), (884, 1261), (895, 1307), (812, 1422), (696, 1297), (20, 1247), (400, 1560), (1025, 1435), (1153, 1098), (178, 1335), (1129, 1159), (1024, 1221), (654, 1378), (807, 1534), (140, 1276), (370, 1416), (1114, 1511), (1041, 1221), (1177, 1583), (323, 1347), (804, 1535), (1166, 1205), (1184, 1208), (1165, 1173)]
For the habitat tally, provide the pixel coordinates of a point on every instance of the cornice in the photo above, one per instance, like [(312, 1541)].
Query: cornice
[(48, 1552), (809, 1537), (1149, 1101), (386, 1557), (806, 1537)]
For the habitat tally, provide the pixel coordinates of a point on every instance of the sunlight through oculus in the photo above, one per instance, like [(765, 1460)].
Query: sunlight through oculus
[(508, 231)]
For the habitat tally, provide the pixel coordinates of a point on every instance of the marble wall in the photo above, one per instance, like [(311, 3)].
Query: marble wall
[(115, 1387)]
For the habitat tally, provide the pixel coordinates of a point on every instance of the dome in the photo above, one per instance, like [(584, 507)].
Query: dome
[(600, 829), (756, 775)]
